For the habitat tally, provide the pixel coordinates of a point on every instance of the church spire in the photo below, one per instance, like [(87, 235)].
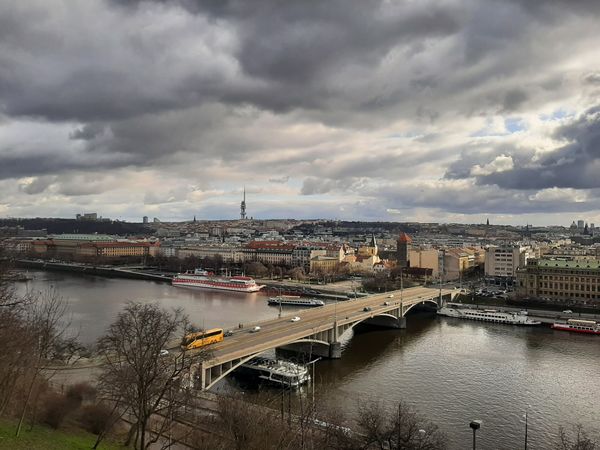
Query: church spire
[(373, 241)]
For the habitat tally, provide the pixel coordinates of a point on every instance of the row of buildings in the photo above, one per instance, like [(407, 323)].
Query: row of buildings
[(560, 269)]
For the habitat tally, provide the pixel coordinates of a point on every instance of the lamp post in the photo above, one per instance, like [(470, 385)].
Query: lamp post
[(312, 380), (401, 284), (442, 268), (173, 380), (526, 417), (475, 425), (279, 303)]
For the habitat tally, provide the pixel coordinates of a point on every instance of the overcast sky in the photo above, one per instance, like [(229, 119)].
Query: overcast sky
[(415, 110)]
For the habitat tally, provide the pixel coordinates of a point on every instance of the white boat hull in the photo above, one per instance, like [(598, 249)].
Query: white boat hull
[(200, 285), (486, 316)]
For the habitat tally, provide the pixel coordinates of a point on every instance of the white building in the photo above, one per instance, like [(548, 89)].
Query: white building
[(503, 261)]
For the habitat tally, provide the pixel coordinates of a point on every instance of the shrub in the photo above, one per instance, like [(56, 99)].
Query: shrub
[(80, 392), (56, 408), (95, 418)]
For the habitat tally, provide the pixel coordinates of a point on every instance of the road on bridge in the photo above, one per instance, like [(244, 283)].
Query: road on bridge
[(282, 331)]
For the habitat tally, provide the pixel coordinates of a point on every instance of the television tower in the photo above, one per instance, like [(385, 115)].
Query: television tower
[(243, 206)]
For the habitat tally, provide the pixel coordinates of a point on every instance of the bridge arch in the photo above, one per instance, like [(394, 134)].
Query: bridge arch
[(429, 301)]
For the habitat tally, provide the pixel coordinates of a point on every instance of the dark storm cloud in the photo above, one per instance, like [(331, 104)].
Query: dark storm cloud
[(88, 132), (302, 88), (15, 166), (119, 75)]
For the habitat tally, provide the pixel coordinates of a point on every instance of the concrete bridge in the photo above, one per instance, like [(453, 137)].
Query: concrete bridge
[(319, 329)]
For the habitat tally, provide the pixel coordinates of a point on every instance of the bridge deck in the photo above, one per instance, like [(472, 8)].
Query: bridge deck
[(281, 331)]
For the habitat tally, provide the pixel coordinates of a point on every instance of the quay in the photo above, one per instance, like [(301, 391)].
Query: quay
[(131, 272)]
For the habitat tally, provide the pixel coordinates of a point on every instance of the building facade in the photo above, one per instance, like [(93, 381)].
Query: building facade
[(503, 261), (560, 280)]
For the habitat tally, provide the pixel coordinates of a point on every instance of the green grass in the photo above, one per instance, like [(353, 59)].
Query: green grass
[(44, 438)]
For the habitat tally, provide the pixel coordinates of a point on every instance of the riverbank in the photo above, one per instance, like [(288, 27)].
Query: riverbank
[(136, 273), (527, 304), (273, 287)]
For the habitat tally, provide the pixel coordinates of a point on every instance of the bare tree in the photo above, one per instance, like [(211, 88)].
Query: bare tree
[(44, 339), (401, 428), (146, 384), (577, 439), (297, 273)]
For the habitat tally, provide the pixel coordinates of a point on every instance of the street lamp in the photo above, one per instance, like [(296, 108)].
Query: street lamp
[(525, 416), (312, 380), (475, 425), (401, 285), (173, 380)]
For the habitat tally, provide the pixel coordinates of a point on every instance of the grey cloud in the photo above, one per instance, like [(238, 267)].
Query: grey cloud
[(205, 91), (281, 180), (315, 186), (574, 165), (513, 100), (37, 185), (472, 199), (87, 132), (592, 78)]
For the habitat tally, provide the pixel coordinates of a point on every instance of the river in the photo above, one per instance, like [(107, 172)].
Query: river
[(452, 371)]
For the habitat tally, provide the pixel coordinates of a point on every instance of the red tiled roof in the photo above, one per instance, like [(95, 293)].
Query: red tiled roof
[(404, 238)]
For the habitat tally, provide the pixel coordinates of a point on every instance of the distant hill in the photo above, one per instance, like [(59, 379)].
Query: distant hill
[(59, 226)]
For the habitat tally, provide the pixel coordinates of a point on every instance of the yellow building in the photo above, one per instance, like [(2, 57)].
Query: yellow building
[(324, 264), (118, 249)]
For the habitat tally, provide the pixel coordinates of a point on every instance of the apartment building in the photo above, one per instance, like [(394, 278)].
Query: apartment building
[(503, 261)]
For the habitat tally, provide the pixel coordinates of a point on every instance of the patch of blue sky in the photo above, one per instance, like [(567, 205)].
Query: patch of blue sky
[(557, 114), (514, 125)]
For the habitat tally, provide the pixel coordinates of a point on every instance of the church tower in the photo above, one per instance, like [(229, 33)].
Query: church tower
[(403, 250)]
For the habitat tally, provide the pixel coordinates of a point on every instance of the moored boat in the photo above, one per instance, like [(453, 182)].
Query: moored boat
[(294, 300), (203, 279), (578, 326), (487, 315), (278, 371)]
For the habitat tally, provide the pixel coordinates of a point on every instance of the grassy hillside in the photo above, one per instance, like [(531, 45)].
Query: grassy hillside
[(43, 438)]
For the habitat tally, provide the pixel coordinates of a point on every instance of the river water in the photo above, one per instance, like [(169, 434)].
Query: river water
[(452, 371)]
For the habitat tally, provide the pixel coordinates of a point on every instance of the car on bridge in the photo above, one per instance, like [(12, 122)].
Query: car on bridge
[(255, 329), (295, 319), (228, 333), (366, 309)]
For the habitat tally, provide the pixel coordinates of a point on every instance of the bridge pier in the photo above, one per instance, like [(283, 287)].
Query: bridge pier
[(335, 350), (402, 323)]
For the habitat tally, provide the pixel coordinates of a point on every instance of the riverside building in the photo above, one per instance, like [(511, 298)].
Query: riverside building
[(560, 280)]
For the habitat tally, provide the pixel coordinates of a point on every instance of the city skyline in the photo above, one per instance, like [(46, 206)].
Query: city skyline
[(451, 112)]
